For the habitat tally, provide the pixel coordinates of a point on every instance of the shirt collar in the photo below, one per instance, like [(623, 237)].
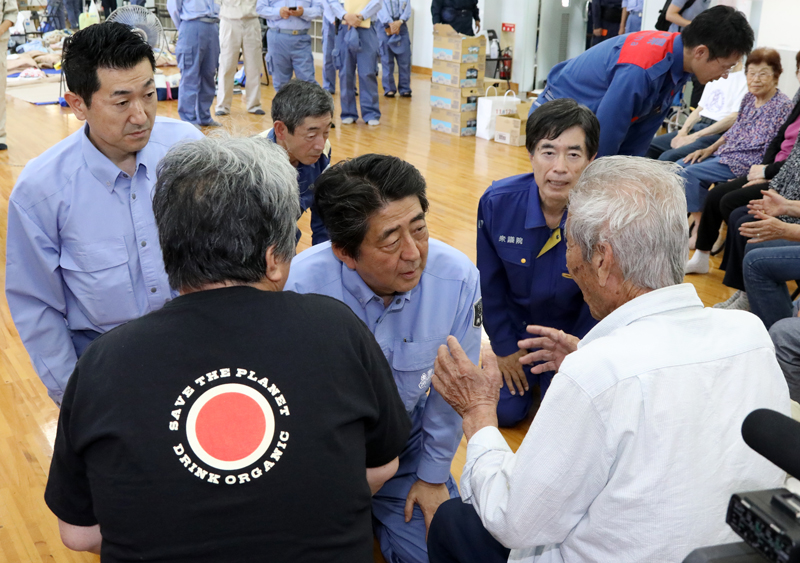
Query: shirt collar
[(354, 285), (534, 217), (654, 302), (105, 171)]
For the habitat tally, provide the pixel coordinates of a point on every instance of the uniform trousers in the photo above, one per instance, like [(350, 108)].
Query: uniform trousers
[(457, 535), (402, 53), (512, 409), (328, 65), (365, 63), (288, 53), (401, 541), (634, 22), (197, 52), (74, 9), (236, 35)]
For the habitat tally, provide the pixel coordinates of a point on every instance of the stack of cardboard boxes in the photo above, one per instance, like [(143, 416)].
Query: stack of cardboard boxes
[(510, 129), (459, 67)]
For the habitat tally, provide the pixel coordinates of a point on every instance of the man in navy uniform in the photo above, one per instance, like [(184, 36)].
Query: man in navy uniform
[(411, 293), (522, 250), (458, 14), (630, 82), (302, 116)]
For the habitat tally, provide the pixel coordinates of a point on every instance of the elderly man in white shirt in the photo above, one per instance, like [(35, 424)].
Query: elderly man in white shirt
[(636, 449)]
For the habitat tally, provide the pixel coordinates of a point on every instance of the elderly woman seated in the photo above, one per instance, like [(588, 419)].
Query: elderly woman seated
[(763, 110), (727, 196)]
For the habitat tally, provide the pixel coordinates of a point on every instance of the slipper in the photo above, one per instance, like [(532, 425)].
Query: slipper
[(389, 94)]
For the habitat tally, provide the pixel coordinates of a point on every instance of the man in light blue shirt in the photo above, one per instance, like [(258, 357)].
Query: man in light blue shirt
[(680, 14), (395, 44), (197, 51), (288, 42), (631, 15), (357, 51), (328, 42), (412, 294), (82, 251)]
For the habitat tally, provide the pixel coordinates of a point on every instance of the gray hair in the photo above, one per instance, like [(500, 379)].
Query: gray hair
[(638, 206), (219, 204), (298, 100)]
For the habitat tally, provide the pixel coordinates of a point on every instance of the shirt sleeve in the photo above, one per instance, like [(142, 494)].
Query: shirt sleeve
[(538, 495), (494, 286), (268, 9), (627, 94), (68, 493), (371, 9), (476, 13), (384, 16), (387, 433), (436, 11), (337, 9), (406, 12), (441, 425), (10, 11), (35, 294), (313, 11), (174, 9)]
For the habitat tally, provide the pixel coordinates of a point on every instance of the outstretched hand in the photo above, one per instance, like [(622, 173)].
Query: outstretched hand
[(554, 345)]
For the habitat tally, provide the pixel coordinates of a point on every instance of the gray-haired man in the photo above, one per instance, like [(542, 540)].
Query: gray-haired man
[(636, 447), (302, 116), (197, 432)]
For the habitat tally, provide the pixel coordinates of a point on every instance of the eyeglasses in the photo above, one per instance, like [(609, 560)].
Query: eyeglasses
[(763, 75)]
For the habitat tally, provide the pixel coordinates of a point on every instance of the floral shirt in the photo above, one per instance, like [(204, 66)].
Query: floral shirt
[(747, 140)]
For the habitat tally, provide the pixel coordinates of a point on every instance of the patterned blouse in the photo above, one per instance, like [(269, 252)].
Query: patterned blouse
[(747, 140)]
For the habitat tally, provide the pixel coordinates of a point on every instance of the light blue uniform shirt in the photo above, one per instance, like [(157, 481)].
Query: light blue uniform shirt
[(392, 10), (82, 246), (410, 331), (185, 10), (690, 12), (369, 11), (635, 6), (327, 11), (271, 11)]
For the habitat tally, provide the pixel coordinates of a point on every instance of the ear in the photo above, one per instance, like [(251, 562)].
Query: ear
[(603, 262), (281, 131), (77, 105), (348, 260), (700, 53), (277, 269)]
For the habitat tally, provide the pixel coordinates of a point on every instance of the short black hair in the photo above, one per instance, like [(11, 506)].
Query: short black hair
[(298, 100), (350, 192), (110, 45), (552, 118), (722, 29)]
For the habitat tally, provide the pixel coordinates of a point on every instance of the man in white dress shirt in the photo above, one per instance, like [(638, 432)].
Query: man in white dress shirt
[(636, 448)]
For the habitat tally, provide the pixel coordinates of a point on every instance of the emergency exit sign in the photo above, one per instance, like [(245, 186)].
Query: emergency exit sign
[(509, 27)]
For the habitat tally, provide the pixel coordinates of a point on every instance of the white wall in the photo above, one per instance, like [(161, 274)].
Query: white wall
[(778, 29)]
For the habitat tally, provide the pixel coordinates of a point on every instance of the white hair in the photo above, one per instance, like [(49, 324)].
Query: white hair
[(638, 206)]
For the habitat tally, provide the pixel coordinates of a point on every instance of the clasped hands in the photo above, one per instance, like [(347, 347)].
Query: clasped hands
[(286, 13), (353, 20)]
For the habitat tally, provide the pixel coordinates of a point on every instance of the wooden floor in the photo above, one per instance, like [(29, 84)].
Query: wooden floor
[(457, 170)]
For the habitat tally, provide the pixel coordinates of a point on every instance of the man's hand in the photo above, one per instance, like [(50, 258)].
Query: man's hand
[(772, 204), (395, 26), (554, 346), (477, 26), (766, 228), (285, 13), (756, 172), (299, 11), (513, 373), (698, 155), (597, 32), (353, 20), (428, 496), (471, 391), (681, 140)]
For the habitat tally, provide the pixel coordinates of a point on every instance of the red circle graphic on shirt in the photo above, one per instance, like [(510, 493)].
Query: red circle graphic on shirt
[(230, 426)]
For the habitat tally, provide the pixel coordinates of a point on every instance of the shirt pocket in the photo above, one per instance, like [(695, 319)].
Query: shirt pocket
[(99, 278), (517, 264), (412, 364)]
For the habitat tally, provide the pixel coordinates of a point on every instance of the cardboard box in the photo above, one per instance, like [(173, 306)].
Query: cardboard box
[(463, 124), (510, 129), (460, 75), (449, 45), (501, 85), (456, 99)]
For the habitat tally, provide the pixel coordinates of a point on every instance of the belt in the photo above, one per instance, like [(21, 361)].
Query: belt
[(464, 12), (208, 20), (636, 14), (291, 31), (707, 120)]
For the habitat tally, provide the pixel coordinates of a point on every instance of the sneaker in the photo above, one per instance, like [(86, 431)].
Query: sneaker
[(3, 147), (389, 94), (348, 121), (728, 303), (258, 111), (212, 123), (374, 122), (222, 112)]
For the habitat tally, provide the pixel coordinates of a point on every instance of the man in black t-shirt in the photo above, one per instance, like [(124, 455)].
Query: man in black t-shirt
[(239, 422)]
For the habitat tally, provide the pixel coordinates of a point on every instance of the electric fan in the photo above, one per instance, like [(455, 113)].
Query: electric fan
[(144, 22)]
